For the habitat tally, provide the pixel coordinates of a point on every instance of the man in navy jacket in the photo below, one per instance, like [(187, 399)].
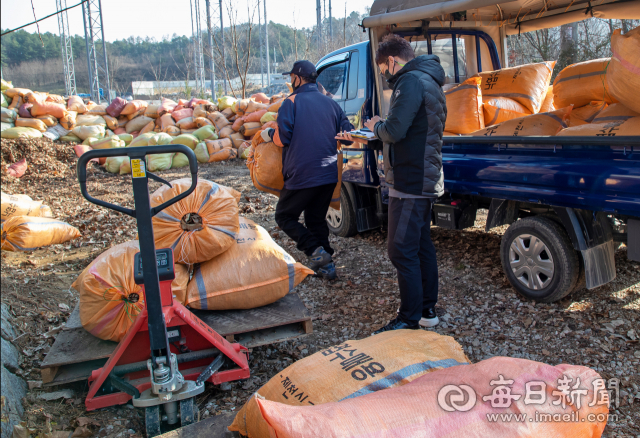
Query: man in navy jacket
[(308, 122)]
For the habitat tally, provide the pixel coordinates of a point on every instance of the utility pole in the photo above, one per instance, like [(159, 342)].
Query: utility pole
[(344, 27), (324, 17), (67, 49), (330, 22), (97, 63), (199, 74), (266, 40), (224, 63), (319, 21), (261, 55), (211, 63)]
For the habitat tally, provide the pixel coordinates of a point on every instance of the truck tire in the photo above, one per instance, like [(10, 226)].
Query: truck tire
[(539, 260), (343, 222)]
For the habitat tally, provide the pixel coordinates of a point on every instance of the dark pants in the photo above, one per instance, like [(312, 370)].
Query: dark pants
[(412, 253), (314, 201)]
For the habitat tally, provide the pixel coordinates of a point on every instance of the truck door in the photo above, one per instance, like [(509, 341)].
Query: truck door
[(355, 91), (332, 77)]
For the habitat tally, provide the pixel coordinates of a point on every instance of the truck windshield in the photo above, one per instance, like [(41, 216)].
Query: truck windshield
[(442, 46)]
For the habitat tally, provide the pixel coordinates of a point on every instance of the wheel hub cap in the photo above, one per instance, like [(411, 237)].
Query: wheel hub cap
[(531, 261), (334, 217)]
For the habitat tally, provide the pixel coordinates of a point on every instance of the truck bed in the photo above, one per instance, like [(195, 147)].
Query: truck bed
[(593, 173)]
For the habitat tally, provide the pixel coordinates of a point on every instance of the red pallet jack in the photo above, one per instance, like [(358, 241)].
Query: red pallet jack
[(168, 353)]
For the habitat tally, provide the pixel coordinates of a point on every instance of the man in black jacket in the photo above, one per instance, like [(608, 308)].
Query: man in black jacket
[(308, 123), (412, 134)]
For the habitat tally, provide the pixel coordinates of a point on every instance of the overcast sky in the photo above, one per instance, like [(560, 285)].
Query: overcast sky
[(158, 18)]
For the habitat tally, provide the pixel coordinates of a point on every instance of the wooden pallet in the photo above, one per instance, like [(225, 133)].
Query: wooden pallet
[(76, 352)]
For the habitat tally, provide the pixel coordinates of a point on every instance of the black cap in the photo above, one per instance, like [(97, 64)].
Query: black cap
[(303, 68)]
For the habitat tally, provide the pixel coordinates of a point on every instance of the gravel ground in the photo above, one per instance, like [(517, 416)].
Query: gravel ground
[(477, 306)]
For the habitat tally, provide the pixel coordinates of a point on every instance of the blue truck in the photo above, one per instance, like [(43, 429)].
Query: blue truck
[(569, 201)]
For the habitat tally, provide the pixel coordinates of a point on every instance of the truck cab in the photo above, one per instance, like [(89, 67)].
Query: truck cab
[(583, 191)]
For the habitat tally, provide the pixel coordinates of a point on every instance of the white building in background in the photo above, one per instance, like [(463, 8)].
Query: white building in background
[(152, 88)]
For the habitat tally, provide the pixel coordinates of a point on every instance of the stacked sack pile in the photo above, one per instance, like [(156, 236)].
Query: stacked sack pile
[(591, 98), (237, 122), (28, 224), (605, 92), (222, 262), (216, 132)]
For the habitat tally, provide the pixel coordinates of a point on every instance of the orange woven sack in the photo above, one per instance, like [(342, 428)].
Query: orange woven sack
[(579, 84), (223, 155), (610, 129), (500, 109), (110, 300), (75, 103), (43, 108), (22, 205), (464, 103), (18, 205), (26, 233), (214, 146), (623, 74), (547, 104), (200, 226), (586, 114), (265, 166), (616, 112), (437, 405), (349, 371), (536, 124), (253, 273), (526, 84), (134, 106), (31, 123)]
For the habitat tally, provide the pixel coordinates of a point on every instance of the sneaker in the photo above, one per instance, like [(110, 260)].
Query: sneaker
[(397, 324), (429, 318), (319, 258), (327, 271)]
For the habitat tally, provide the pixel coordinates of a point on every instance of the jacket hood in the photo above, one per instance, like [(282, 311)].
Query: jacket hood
[(429, 64)]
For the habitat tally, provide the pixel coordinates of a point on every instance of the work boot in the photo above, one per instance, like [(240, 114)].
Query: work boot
[(397, 324), (327, 271), (319, 258)]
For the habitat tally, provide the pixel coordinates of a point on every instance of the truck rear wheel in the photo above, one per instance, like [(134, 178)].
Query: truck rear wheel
[(342, 222), (539, 260)]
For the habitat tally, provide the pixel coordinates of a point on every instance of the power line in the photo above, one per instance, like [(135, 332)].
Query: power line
[(43, 18)]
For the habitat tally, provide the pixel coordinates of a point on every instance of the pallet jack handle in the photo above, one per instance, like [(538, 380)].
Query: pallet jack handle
[(137, 153), (143, 212)]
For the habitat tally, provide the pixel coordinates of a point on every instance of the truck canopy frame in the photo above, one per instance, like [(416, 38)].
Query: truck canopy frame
[(514, 16)]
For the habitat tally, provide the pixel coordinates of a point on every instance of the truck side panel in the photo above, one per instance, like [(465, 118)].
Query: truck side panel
[(592, 178)]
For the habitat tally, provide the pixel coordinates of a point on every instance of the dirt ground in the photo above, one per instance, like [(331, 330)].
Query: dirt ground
[(477, 306)]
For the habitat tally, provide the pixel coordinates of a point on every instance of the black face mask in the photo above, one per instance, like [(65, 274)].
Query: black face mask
[(294, 86), (387, 74)]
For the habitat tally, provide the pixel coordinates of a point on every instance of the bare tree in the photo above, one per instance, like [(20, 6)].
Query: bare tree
[(240, 45), (185, 67), (159, 74)]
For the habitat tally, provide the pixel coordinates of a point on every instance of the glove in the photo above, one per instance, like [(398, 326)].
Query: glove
[(267, 134)]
